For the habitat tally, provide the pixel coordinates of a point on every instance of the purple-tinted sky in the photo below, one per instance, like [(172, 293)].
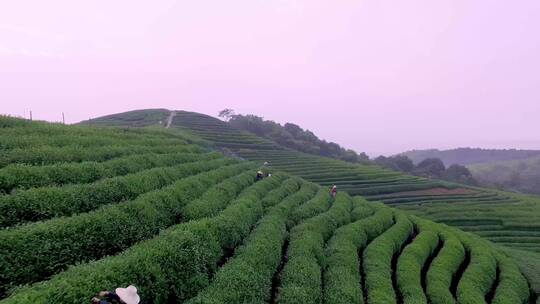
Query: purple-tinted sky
[(374, 75)]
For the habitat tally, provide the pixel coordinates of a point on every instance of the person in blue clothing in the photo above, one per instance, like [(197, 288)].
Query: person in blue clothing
[(126, 295)]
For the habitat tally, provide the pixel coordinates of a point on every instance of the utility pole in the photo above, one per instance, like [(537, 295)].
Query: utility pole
[(30, 114), (63, 118)]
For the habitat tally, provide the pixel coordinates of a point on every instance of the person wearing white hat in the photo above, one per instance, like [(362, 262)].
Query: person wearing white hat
[(333, 191), (126, 295)]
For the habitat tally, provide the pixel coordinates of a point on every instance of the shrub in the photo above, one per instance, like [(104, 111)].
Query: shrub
[(301, 277), (216, 198), (318, 204), (46, 155), (378, 258), (513, 286), (247, 278), (410, 265), (44, 203), (479, 276), (174, 265), (292, 185), (342, 275), (362, 209), (24, 176), (34, 252)]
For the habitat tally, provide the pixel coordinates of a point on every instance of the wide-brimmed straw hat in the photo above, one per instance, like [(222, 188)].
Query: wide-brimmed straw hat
[(128, 295)]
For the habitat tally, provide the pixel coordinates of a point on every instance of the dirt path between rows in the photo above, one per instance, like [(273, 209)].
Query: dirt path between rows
[(169, 119), (436, 191)]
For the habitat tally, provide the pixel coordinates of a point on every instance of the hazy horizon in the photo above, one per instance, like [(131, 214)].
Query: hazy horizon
[(380, 77)]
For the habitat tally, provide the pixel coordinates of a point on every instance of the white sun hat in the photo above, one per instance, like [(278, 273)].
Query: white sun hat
[(128, 295)]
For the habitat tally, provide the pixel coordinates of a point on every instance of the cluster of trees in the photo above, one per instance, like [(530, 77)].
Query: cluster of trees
[(468, 156), (294, 137), (429, 167), (516, 175), (291, 136)]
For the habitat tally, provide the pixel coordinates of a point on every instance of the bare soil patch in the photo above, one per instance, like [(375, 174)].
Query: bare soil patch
[(436, 191)]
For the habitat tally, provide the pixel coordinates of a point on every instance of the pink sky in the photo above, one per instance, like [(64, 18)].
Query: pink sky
[(374, 75)]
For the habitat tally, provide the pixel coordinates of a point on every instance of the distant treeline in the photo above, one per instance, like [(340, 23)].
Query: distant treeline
[(294, 137), (429, 167), (515, 175), (468, 156), (510, 169), (291, 136)]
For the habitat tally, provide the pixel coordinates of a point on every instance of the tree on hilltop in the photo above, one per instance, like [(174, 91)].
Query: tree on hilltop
[(226, 114)]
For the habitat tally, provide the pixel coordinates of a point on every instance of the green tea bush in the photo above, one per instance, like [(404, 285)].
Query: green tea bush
[(49, 155), (25, 176), (247, 278), (443, 269), (233, 224), (320, 203), (34, 252), (174, 265), (342, 275), (378, 261), (44, 203), (478, 278), (291, 185), (301, 276), (513, 286), (362, 209), (89, 140), (12, 122), (410, 265), (216, 198)]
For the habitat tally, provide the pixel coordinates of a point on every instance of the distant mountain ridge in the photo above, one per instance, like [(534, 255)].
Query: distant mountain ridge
[(469, 156)]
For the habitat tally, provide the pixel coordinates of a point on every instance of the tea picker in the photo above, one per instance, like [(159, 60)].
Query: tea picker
[(333, 191), (126, 295)]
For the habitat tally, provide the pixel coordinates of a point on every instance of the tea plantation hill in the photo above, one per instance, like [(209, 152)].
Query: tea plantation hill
[(505, 218), (86, 209)]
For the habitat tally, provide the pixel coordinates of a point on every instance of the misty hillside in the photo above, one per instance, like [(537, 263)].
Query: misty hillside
[(516, 175), (468, 156)]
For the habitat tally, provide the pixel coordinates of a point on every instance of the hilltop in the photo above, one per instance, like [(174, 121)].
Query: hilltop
[(93, 208)]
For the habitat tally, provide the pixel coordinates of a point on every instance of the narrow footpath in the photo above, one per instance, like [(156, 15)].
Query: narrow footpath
[(169, 120)]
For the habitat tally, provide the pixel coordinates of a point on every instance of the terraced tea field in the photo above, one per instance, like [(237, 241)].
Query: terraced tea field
[(86, 209), (506, 218)]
